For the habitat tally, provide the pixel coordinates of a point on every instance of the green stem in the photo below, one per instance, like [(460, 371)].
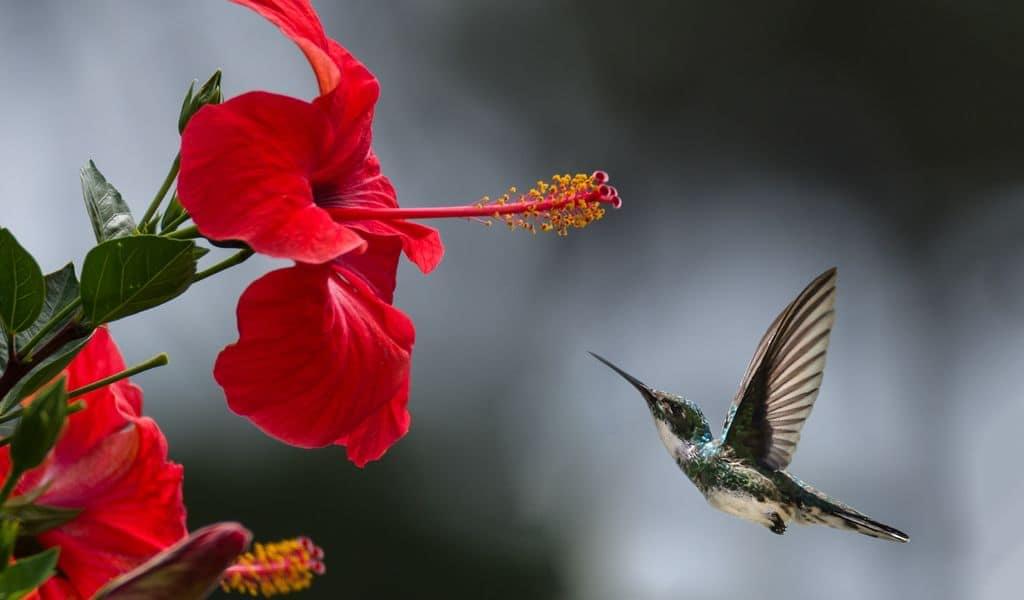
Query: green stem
[(54, 321), (176, 222), (157, 361), (188, 233), (161, 193), (235, 259)]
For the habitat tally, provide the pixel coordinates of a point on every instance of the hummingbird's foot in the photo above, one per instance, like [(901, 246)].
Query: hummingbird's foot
[(778, 525)]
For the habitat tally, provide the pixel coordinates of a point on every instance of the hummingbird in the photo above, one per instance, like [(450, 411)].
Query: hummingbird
[(744, 473)]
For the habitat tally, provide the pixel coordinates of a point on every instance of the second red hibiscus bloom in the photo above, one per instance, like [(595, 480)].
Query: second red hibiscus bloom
[(110, 464)]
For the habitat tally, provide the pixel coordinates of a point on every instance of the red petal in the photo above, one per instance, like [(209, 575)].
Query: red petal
[(379, 431), (377, 267), (421, 244), (317, 356), (131, 511), (246, 174)]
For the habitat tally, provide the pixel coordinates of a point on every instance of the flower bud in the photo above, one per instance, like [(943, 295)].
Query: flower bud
[(209, 93)]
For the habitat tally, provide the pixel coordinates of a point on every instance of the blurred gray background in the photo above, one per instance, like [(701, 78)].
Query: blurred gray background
[(755, 144)]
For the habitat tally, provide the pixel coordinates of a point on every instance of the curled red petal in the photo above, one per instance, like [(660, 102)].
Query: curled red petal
[(317, 355), (246, 174), (347, 87), (298, 21)]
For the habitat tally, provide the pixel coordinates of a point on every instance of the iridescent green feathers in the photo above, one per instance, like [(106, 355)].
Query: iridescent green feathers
[(782, 381)]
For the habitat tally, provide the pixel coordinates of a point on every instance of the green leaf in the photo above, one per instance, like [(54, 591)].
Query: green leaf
[(44, 371), (27, 574), (61, 290), (39, 427), (21, 285), (38, 518), (175, 211), (108, 212), (8, 538), (124, 276), (4, 354)]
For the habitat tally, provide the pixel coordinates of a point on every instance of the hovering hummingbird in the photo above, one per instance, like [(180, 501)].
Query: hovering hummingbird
[(744, 473)]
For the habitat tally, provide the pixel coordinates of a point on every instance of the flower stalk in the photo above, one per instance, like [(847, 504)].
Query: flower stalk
[(161, 193)]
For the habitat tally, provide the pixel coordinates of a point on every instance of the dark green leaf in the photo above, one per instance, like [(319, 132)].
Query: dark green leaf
[(61, 290), (37, 518), (108, 212), (124, 276), (3, 353), (27, 574), (199, 252), (21, 285), (44, 371), (175, 211), (39, 427), (8, 537)]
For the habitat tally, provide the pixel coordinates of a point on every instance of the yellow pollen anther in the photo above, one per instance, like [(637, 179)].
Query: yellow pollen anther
[(277, 568), (563, 203)]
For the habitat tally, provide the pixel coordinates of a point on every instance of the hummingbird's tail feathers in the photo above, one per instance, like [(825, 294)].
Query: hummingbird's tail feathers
[(841, 517), (818, 508)]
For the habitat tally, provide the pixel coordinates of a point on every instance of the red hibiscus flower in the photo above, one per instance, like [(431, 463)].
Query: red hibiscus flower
[(111, 465), (322, 358)]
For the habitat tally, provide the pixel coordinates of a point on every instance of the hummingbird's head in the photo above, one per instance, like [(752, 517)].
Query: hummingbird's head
[(683, 418)]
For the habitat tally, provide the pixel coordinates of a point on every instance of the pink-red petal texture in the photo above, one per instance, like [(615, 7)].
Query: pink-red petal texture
[(320, 360)]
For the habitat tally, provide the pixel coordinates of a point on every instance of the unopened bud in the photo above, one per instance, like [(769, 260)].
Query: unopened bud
[(208, 93)]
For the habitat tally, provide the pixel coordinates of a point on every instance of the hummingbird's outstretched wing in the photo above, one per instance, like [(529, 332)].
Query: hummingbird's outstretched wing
[(781, 383)]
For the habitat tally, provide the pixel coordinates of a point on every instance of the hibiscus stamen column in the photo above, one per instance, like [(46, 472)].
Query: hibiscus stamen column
[(566, 202)]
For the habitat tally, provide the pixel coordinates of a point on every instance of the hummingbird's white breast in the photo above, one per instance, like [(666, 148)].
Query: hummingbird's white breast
[(745, 506)]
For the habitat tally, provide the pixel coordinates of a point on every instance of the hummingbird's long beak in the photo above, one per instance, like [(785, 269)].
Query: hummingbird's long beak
[(647, 392)]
